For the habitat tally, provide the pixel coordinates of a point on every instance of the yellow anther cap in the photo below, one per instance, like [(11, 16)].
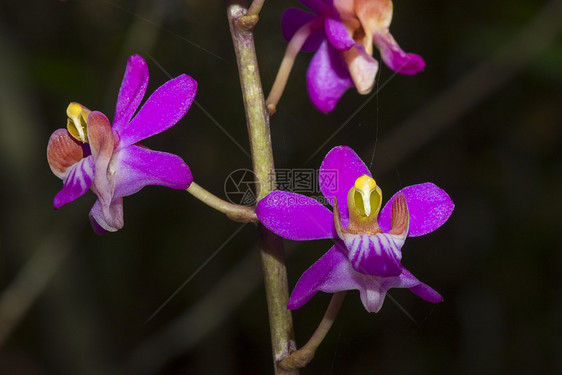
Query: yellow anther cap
[(365, 183), (77, 119)]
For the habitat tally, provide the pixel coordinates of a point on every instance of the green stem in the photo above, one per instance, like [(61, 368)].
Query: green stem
[(242, 214), (271, 246)]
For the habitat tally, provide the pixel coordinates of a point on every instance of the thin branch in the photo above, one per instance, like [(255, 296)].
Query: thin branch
[(255, 7), (293, 48), (304, 355), (241, 214)]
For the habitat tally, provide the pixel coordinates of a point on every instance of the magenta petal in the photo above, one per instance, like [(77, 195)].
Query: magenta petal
[(110, 218), (295, 216), (140, 166), (396, 59), (317, 6), (331, 273), (429, 207), (131, 92), (338, 172), (327, 78), (78, 179), (293, 19), (378, 254), (98, 229), (165, 107), (427, 293), (337, 34)]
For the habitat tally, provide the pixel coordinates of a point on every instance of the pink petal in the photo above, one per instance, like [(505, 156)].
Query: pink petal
[(393, 56), (293, 19), (429, 207), (78, 179), (378, 254), (427, 293), (100, 136), (345, 8), (165, 107), (63, 151), (327, 78), (139, 167), (109, 218), (375, 288), (362, 67), (338, 172), (295, 216), (373, 15), (337, 34), (333, 273), (131, 92)]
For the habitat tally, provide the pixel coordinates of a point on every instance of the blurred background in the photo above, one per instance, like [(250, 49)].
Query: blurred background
[(482, 122)]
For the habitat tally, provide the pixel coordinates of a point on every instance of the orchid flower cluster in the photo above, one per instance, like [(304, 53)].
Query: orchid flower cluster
[(92, 153)]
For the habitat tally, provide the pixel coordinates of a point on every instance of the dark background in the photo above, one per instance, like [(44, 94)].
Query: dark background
[(482, 122)]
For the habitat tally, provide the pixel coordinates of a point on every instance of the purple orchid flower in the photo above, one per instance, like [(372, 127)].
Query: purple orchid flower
[(367, 254), (91, 153), (342, 32)]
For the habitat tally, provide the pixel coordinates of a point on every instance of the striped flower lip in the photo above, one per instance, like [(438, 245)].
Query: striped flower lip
[(91, 153), (369, 239)]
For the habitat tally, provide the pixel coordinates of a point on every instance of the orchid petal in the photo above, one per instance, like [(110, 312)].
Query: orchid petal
[(100, 136), (317, 6), (295, 216), (338, 172), (362, 67), (337, 34), (394, 57), (374, 289), (165, 107), (78, 179), (63, 151), (333, 273), (327, 78), (140, 166), (293, 19), (426, 292), (378, 254), (429, 207), (345, 8), (131, 92), (321, 276), (108, 218), (373, 15)]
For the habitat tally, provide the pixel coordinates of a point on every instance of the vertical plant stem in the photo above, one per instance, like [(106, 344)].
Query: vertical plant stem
[(271, 246)]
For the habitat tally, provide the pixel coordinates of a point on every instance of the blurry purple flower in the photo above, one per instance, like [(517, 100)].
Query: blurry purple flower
[(367, 255), (342, 32), (91, 153)]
